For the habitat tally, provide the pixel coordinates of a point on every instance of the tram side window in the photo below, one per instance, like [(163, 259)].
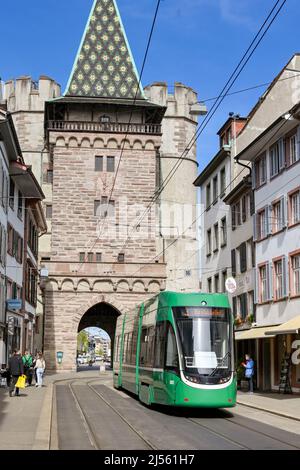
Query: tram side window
[(127, 345), (117, 349), (172, 353), (160, 341), (143, 352), (134, 346), (124, 347), (147, 347), (150, 347)]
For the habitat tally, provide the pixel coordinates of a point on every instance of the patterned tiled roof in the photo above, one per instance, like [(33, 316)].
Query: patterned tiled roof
[(104, 66)]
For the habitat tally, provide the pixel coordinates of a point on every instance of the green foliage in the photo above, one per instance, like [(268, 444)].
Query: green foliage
[(82, 342)]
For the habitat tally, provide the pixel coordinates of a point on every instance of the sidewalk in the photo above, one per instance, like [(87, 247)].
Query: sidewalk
[(287, 406), (25, 421)]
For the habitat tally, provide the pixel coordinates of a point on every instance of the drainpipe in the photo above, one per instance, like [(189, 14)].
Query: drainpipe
[(245, 166)]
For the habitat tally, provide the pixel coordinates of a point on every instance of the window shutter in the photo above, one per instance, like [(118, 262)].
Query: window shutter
[(281, 154), (233, 210), (298, 143), (233, 263), (267, 221), (1, 245), (285, 276), (255, 274), (283, 205), (254, 227), (243, 257), (270, 280), (252, 206), (253, 176)]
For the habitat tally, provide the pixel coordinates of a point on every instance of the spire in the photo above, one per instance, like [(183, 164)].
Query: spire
[(104, 66)]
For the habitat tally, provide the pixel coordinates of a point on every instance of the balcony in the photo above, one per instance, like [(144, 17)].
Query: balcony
[(107, 127)]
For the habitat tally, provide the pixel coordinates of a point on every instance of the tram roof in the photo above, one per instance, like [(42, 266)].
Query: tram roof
[(193, 299)]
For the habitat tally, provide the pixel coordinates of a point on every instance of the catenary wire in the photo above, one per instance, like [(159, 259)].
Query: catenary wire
[(216, 105)]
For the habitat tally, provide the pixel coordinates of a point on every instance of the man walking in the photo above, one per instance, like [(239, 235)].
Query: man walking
[(15, 368), (28, 369)]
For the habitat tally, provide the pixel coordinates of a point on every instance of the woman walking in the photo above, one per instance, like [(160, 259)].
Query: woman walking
[(40, 369)]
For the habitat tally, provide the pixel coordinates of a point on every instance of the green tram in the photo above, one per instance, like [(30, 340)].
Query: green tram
[(176, 349)]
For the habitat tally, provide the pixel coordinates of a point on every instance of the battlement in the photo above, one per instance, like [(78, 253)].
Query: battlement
[(26, 94), (179, 103)]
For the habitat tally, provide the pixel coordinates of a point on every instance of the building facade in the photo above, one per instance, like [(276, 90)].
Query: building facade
[(24, 221), (4, 188), (276, 233), (216, 182), (241, 203), (270, 141)]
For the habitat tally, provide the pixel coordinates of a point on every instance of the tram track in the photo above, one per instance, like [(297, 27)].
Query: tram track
[(216, 433), (133, 428), (261, 433), (243, 426), (91, 435), (92, 419), (88, 426)]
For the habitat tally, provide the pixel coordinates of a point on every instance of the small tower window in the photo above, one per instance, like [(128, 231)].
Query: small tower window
[(121, 258), (104, 119)]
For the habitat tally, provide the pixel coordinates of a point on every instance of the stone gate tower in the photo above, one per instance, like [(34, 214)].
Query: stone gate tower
[(103, 136)]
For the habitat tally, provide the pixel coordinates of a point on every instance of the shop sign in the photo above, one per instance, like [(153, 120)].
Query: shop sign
[(11, 326), (14, 304)]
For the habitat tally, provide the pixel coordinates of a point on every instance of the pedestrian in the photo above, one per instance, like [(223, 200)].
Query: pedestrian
[(28, 368), (249, 371), (15, 368), (40, 366)]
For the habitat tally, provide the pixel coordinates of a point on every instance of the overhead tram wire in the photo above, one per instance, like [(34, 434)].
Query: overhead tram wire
[(216, 105), (202, 213), (254, 87), (205, 210), (127, 131)]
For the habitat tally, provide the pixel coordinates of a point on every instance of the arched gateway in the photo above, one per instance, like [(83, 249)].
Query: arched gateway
[(68, 312)]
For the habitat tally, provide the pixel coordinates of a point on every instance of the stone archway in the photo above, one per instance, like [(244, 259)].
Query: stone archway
[(101, 315)]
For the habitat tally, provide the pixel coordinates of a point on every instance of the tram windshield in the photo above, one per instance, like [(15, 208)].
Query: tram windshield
[(205, 335)]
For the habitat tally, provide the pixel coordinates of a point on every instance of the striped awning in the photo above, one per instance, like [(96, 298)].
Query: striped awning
[(289, 327)]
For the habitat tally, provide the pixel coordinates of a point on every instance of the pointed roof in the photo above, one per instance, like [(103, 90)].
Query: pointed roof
[(104, 66)]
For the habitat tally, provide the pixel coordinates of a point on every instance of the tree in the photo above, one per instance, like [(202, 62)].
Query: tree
[(82, 342)]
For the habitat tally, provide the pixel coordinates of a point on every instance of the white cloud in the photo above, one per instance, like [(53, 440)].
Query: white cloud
[(237, 12)]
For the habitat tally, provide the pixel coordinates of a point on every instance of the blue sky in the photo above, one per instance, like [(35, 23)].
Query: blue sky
[(197, 42)]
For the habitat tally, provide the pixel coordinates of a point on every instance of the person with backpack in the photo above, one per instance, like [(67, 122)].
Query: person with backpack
[(249, 371), (28, 366)]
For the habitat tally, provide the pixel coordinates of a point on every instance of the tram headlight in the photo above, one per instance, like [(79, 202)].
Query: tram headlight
[(192, 379), (224, 380)]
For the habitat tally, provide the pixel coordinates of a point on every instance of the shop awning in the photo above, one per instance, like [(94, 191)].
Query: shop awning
[(255, 333), (289, 327)]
